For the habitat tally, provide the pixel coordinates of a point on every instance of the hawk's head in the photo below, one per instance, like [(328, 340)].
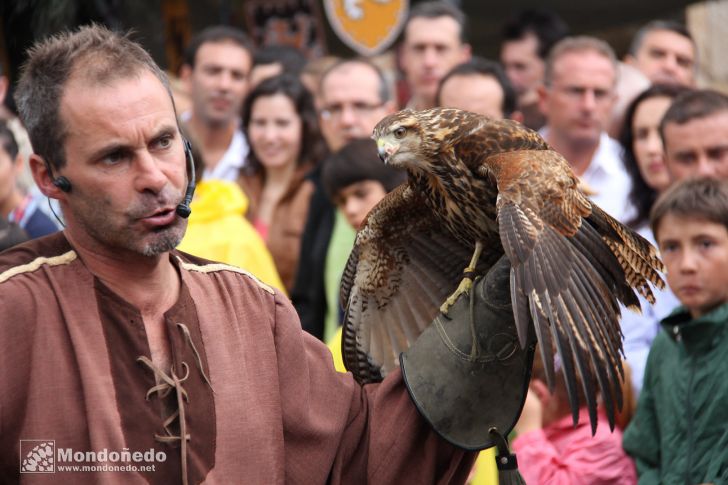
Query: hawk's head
[(398, 138), (412, 139)]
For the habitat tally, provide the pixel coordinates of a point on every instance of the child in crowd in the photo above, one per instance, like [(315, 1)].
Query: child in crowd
[(679, 433), (356, 180), (551, 450)]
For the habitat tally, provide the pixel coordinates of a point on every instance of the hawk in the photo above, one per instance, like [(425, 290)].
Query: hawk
[(479, 188)]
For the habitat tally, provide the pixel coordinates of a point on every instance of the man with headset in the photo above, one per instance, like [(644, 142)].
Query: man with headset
[(121, 354)]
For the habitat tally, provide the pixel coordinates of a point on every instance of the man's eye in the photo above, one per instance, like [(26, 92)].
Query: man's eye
[(114, 157)]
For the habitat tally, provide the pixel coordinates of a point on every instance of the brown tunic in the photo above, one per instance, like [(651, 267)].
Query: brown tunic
[(275, 410)]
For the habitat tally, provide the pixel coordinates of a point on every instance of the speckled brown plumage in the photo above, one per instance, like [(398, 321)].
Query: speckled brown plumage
[(474, 179)]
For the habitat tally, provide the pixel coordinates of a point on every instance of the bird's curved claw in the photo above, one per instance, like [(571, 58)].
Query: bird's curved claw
[(466, 284)]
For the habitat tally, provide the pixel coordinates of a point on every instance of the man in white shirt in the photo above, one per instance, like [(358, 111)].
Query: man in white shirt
[(216, 71), (577, 98)]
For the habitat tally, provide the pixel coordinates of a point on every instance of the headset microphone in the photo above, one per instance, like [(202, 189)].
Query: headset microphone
[(183, 208)]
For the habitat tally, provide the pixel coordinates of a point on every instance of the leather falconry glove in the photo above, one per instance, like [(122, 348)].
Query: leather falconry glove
[(467, 373)]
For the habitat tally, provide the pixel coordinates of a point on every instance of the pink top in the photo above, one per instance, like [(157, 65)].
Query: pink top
[(563, 454)]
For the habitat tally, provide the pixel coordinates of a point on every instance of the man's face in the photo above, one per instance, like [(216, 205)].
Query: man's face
[(351, 104), (219, 82), (695, 252), (578, 103), (666, 57), (698, 148), (126, 164), (431, 48), (474, 92), (523, 66), (356, 200)]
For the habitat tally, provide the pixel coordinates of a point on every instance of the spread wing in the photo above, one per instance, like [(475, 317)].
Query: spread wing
[(402, 268), (571, 262)]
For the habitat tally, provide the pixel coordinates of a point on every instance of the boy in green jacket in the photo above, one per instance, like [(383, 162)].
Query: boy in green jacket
[(679, 433)]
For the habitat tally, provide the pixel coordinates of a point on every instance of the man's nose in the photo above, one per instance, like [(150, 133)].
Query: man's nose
[(348, 115), (224, 80), (150, 176), (588, 100), (705, 167), (430, 58), (669, 64)]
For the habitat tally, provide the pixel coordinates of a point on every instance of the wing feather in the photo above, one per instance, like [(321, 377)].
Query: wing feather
[(402, 268)]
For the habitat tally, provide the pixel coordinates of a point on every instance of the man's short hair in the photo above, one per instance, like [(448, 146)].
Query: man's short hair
[(216, 34), (355, 162), (668, 25), (436, 9), (7, 141), (384, 91), (93, 52), (291, 59), (477, 66), (695, 198), (692, 105), (545, 25), (580, 43)]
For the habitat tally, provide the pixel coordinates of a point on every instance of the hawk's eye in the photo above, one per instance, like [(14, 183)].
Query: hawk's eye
[(399, 132)]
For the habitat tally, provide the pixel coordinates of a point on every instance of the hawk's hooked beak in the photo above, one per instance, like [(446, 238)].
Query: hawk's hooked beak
[(382, 150)]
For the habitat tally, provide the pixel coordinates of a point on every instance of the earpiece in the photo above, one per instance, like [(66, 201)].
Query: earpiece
[(62, 183), (183, 208)]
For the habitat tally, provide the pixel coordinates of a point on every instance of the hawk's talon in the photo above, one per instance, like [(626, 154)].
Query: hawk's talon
[(463, 288)]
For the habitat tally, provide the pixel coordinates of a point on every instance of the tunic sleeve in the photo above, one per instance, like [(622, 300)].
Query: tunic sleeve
[(337, 431)]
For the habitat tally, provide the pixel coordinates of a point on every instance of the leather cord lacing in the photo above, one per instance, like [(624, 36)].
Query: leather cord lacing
[(171, 381)]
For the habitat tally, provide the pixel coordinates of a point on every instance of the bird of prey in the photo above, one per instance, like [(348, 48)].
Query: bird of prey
[(479, 188)]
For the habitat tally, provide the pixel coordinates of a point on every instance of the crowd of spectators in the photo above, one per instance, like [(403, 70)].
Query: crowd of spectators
[(286, 177)]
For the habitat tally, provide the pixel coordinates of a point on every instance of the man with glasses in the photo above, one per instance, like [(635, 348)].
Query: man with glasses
[(353, 96), (577, 98)]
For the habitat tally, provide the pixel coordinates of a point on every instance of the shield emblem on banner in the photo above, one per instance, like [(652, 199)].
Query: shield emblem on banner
[(367, 26)]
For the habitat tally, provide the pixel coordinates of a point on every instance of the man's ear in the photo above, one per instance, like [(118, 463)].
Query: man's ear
[(390, 107), (467, 52), (516, 115), (630, 60), (43, 178), (543, 95), (185, 75)]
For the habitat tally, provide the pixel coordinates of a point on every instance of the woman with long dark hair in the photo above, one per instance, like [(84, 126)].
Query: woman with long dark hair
[(643, 151), (280, 123)]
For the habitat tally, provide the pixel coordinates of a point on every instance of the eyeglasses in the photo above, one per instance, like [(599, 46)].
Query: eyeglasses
[(359, 108)]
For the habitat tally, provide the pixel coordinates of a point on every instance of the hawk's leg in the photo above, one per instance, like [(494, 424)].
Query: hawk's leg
[(467, 282)]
